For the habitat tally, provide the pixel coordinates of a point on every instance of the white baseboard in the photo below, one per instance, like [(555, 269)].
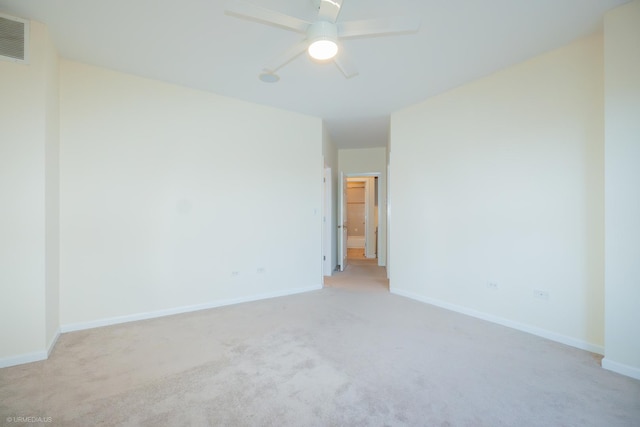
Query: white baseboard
[(620, 368), (179, 310), (53, 342), (35, 356), (553, 336)]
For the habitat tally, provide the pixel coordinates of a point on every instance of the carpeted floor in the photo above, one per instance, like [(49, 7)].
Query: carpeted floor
[(349, 355)]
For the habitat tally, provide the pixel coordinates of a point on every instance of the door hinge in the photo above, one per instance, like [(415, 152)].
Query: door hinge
[(324, 258)]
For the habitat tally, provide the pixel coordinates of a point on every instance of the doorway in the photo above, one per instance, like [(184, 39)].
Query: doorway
[(356, 218), (360, 218), (358, 222)]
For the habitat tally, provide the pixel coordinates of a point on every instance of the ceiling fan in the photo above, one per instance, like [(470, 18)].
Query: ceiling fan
[(322, 35)]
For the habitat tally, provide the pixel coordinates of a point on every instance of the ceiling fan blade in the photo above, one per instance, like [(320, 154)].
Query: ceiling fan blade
[(252, 12), (329, 10), (289, 55), (345, 65), (378, 27)]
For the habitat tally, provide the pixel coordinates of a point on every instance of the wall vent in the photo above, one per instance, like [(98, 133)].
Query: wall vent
[(14, 39)]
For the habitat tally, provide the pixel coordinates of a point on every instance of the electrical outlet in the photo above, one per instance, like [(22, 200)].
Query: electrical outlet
[(261, 270), (492, 285), (537, 293), (235, 273)]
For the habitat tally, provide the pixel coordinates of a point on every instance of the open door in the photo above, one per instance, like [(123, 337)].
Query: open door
[(342, 224), (327, 226)]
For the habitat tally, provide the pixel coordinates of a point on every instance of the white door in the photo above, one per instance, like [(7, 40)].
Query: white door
[(370, 218), (327, 225), (342, 224)]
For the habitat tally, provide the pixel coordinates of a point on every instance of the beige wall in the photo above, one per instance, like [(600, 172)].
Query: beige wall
[(330, 156), (52, 194), (28, 189), (501, 180), (170, 202), (622, 178), (355, 208)]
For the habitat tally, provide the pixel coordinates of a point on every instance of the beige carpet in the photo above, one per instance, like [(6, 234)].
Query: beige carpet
[(349, 355), (362, 275)]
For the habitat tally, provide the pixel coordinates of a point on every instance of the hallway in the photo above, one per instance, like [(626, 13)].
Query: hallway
[(360, 275)]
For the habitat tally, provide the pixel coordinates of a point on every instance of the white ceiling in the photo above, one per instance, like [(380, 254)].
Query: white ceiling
[(195, 44)]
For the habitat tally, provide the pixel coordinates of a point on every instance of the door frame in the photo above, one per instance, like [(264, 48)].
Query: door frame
[(378, 175), (342, 223), (327, 224)]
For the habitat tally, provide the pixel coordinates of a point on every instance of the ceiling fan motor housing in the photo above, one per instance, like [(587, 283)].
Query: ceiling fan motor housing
[(323, 40), (322, 30)]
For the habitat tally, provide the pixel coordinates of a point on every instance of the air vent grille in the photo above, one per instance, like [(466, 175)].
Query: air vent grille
[(13, 38)]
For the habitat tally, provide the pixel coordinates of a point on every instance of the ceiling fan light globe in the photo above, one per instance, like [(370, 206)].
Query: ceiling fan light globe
[(323, 49)]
